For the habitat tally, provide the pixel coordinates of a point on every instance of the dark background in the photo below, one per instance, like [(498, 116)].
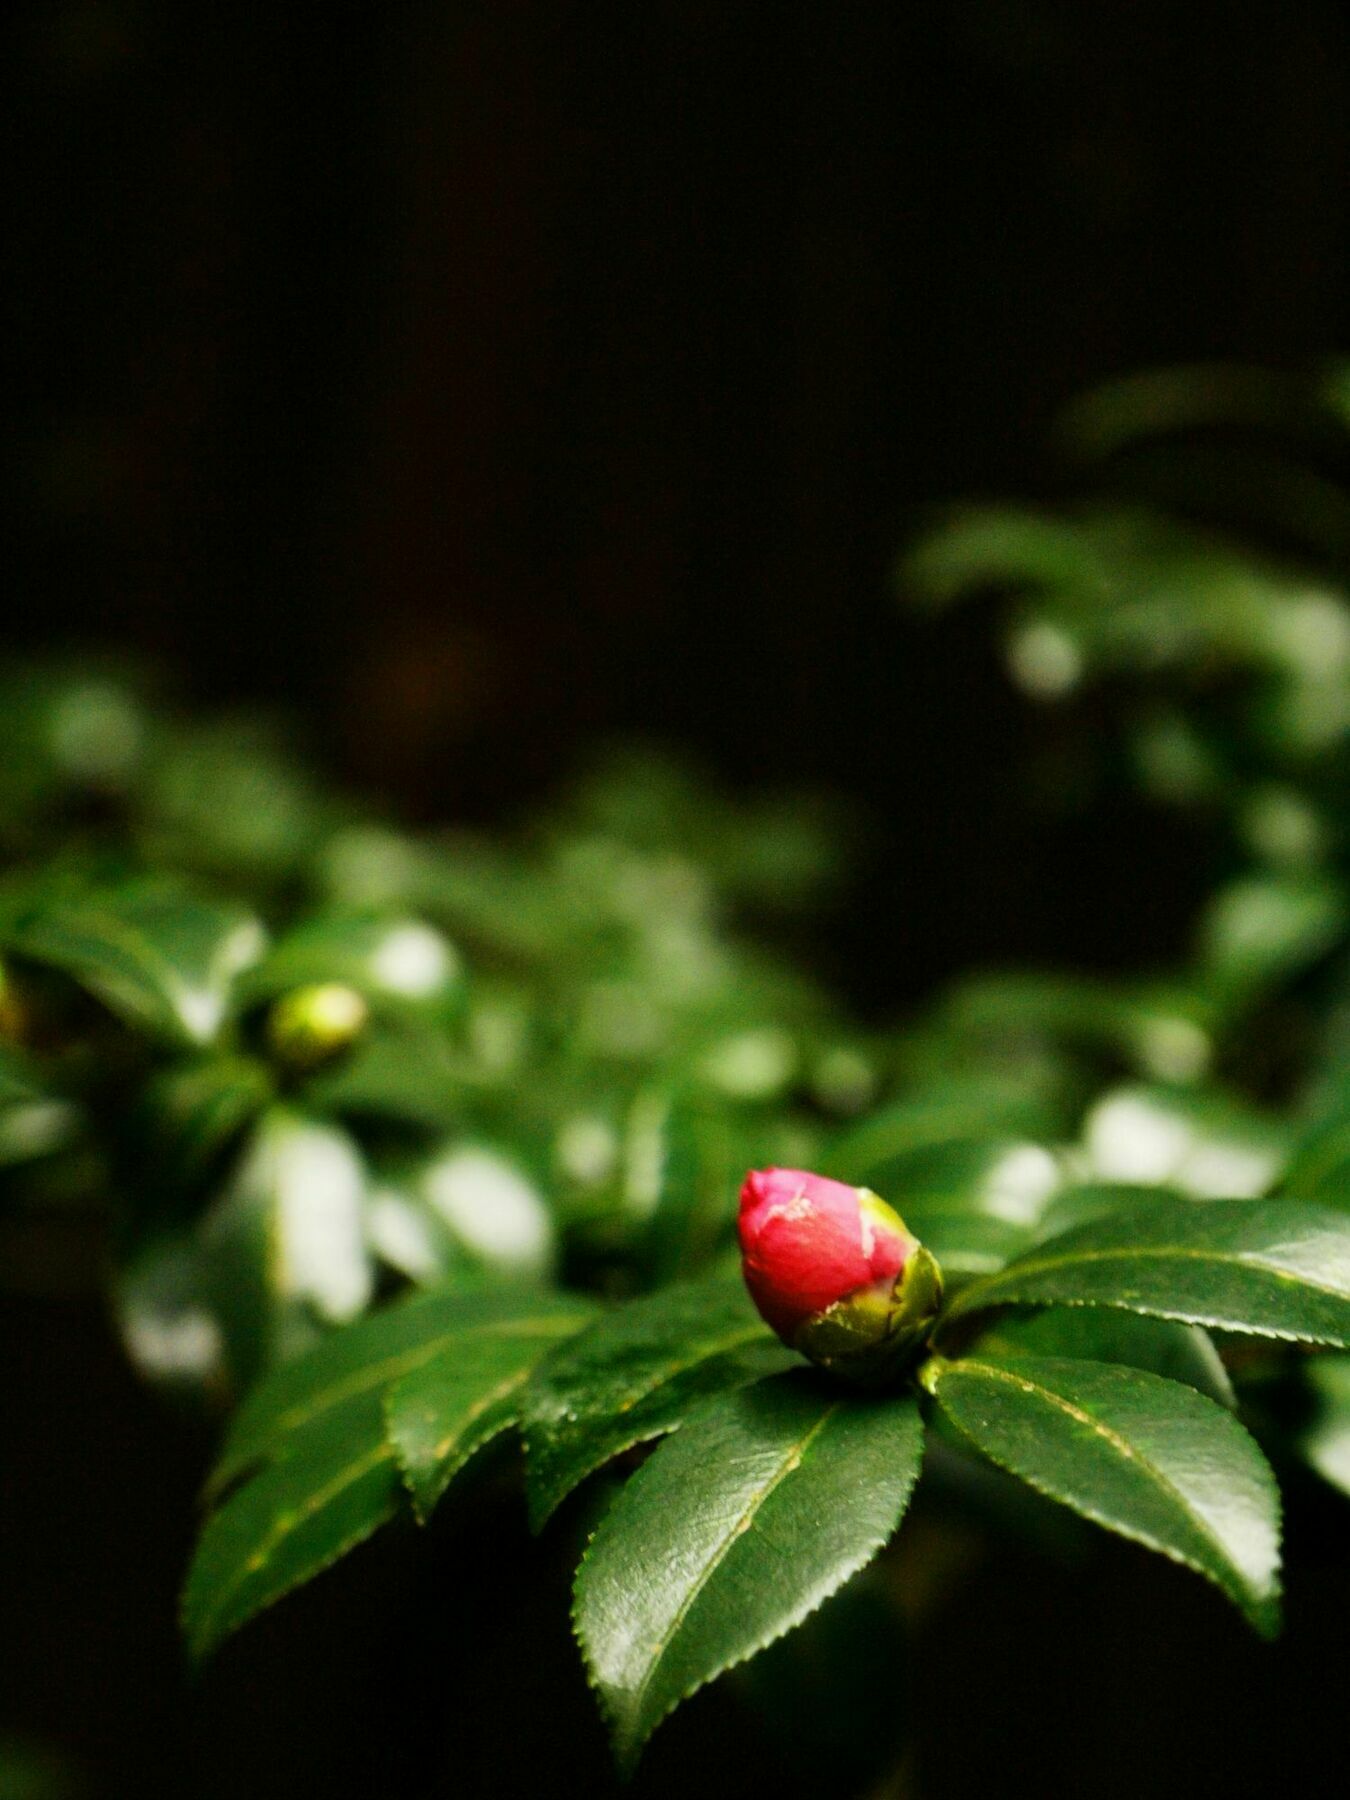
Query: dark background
[(480, 379)]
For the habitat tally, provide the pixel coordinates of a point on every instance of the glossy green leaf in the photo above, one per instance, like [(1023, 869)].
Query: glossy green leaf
[(1148, 1458), (316, 1468), (469, 1392), (1272, 1268), (297, 1516), (1159, 1346), (363, 1359), (162, 960), (738, 1527), (636, 1374)]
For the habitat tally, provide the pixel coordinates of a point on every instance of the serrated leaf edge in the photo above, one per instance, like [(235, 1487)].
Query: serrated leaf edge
[(387, 1370), (968, 1300), (627, 1755), (1264, 1615), (202, 1641), (465, 1442), (745, 1335)]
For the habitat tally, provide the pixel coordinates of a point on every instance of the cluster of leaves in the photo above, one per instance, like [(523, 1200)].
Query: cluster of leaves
[(1118, 1189), (1139, 1190), (773, 1485), (302, 1058)]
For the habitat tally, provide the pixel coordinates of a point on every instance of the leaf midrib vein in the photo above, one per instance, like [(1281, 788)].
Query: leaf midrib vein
[(291, 1520), (370, 1375), (969, 1300), (681, 1365), (792, 1459), (1121, 1444)]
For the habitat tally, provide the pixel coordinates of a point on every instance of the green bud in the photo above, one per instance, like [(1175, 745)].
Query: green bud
[(311, 1024), (870, 1336)]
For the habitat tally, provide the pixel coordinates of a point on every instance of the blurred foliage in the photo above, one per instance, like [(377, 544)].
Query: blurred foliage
[(299, 1055), (1183, 605)]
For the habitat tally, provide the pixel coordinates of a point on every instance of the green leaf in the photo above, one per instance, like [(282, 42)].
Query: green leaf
[(319, 1469), (1272, 1268), (974, 1108), (1148, 1458), (1206, 1145), (468, 1393), (1324, 1441), (739, 1526), (968, 1245), (285, 1244), (636, 1374), (1159, 1346), (161, 960), (404, 1074), (402, 959), (295, 1518), (1262, 929), (33, 1121), (1320, 1169), (361, 1360), (195, 1110)]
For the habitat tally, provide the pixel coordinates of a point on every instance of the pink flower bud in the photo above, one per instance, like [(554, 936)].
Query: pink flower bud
[(834, 1271)]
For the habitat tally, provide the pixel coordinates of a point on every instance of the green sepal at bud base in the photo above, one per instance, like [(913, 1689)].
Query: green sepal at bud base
[(311, 1024), (869, 1337)]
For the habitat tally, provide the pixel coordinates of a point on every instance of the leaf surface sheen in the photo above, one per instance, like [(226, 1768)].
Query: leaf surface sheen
[(636, 1374), (365, 1358), (325, 1471), (458, 1399), (1146, 1457), (736, 1529), (1271, 1268), (1098, 1334), (300, 1514), (160, 959)]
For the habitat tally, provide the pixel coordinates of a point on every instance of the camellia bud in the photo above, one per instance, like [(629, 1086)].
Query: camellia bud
[(835, 1273), (310, 1024)]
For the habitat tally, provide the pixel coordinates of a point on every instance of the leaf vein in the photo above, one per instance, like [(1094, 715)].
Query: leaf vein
[(791, 1461)]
